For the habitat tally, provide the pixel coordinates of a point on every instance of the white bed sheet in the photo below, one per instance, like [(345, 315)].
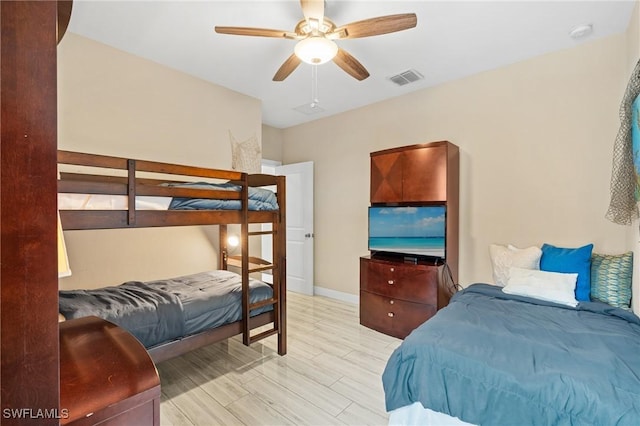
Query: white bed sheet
[(416, 414), (109, 202)]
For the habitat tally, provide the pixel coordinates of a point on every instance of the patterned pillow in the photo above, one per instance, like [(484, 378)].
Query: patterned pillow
[(504, 257), (611, 279)]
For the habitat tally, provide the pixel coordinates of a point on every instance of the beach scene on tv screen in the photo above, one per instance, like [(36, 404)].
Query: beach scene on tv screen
[(410, 230)]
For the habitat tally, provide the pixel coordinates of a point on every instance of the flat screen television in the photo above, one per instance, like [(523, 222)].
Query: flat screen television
[(415, 231)]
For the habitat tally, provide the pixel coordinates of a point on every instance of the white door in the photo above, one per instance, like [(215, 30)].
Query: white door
[(299, 226)]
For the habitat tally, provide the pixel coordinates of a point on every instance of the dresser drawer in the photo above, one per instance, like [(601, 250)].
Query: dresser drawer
[(392, 316), (418, 283)]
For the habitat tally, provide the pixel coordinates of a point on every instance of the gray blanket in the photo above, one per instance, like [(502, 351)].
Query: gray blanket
[(159, 311), (491, 358), (259, 198)]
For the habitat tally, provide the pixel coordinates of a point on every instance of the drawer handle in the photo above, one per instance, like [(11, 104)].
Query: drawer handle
[(390, 314), (390, 282), (392, 269), (391, 302)]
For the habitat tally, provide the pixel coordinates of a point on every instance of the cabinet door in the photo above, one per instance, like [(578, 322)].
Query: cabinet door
[(425, 174), (386, 178)]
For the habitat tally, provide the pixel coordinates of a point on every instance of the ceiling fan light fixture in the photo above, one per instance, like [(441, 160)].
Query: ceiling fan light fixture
[(316, 50)]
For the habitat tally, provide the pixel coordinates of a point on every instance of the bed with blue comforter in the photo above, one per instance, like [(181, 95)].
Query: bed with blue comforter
[(490, 358), (259, 198), (160, 311)]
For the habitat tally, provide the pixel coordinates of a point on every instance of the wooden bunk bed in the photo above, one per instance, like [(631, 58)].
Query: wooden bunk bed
[(101, 175)]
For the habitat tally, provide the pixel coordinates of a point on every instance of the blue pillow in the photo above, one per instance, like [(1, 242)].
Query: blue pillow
[(570, 260)]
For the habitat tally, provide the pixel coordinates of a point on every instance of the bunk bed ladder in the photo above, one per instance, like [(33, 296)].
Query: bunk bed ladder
[(258, 266), (249, 265)]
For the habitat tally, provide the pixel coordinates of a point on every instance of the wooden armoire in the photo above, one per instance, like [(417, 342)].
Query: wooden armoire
[(397, 295)]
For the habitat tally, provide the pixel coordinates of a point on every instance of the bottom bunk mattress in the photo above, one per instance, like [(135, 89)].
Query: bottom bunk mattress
[(160, 311), (493, 358)]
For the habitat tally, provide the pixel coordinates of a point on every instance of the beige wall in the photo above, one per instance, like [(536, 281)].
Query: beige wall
[(536, 142), (633, 39), (271, 143), (114, 103)]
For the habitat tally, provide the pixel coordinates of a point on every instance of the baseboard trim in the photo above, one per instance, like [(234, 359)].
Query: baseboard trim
[(338, 295)]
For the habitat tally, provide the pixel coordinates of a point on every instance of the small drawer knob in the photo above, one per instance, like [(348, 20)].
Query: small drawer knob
[(390, 314), (390, 282), (391, 302), (392, 269)]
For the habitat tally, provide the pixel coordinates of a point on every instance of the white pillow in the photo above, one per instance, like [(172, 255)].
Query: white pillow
[(503, 258), (550, 286)]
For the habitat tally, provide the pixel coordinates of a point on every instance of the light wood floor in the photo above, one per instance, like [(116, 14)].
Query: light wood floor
[(330, 375)]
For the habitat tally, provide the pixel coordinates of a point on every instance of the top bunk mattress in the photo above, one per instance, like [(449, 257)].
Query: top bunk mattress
[(260, 199), (159, 311)]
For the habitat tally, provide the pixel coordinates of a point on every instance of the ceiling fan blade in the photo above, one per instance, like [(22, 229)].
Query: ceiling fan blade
[(313, 11), (351, 65), (256, 32), (287, 68), (376, 26)]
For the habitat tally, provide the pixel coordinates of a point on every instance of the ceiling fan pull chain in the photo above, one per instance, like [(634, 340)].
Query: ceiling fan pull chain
[(314, 86)]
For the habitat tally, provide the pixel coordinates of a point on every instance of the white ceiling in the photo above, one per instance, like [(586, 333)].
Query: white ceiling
[(453, 39)]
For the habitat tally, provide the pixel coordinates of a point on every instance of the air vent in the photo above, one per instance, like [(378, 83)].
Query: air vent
[(309, 109), (406, 77)]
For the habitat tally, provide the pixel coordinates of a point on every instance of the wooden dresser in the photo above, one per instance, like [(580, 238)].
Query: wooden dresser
[(397, 295), (106, 376)]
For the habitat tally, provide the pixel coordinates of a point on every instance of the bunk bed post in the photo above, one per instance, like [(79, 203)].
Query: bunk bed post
[(280, 248), (131, 192), (222, 233), (244, 232)]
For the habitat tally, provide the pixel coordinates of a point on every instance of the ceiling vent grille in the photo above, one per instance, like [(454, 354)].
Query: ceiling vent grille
[(406, 77)]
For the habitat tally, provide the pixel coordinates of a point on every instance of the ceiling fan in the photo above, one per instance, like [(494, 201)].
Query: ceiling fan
[(316, 35)]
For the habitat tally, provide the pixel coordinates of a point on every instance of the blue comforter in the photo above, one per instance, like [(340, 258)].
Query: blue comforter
[(259, 198), (160, 311), (492, 358)]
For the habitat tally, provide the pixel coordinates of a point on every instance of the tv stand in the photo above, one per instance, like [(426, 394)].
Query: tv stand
[(397, 296)]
